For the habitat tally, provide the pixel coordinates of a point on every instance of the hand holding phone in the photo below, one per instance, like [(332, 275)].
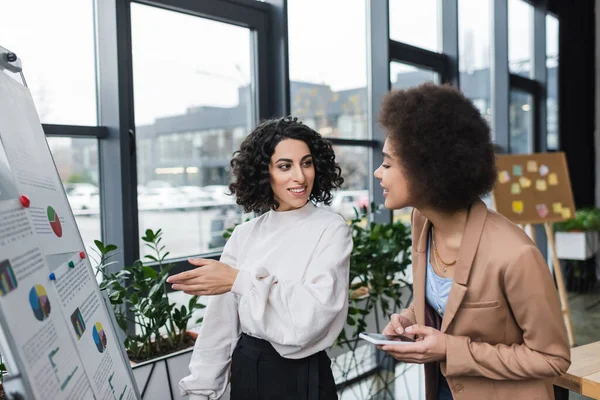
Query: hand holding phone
[(379, 339)]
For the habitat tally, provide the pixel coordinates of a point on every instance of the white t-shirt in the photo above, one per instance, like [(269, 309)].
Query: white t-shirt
[(292, 290)]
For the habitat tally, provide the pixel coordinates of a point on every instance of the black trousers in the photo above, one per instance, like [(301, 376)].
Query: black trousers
[(258, 372)]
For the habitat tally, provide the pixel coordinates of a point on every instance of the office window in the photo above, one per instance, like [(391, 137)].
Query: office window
[(521, 122), (356, 170), (55, 41), (403, 76), (474, 53), (328, 66), (520, 37), (416, 23), (77, 164), (191, 113), (552, 57)]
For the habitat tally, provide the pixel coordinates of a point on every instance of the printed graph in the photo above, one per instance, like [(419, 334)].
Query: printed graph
[(8, 281), (54, 221), (40, 304), (64, 382), (78, 323), (99, 337), (112, 388)]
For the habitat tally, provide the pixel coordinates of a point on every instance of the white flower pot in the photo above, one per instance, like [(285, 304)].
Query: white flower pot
[(576, 245)]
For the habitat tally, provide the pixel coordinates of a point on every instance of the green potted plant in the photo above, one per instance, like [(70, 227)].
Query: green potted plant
[(138, 294), (577, 238), (380, 257)]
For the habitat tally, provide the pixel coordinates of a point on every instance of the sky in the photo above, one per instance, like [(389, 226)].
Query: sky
[(182, 61)]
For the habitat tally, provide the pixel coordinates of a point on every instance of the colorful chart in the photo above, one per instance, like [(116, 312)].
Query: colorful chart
[(40, 304), (78, 323), (99, 337), (8, 281), (54, 221)]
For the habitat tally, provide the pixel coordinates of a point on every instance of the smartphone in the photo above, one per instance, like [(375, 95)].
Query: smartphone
[(378, 338)]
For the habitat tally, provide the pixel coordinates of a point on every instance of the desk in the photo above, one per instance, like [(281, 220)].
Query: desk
[(583, 376)]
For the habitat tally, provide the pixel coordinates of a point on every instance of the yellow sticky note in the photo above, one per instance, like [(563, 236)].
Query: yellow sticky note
[(532, 166), (552, 179), (540, 185), (503, 176), (566, 213), (557, 208), (517, 206), (515, 188), (525, 182)]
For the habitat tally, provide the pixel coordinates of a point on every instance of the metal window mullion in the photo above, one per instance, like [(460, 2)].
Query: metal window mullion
[(407, 54), (449, 30), (76, 131), (499, 73), (118, 180), (540, 75), (378, 84)]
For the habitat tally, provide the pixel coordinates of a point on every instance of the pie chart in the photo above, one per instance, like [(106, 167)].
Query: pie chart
[(54, 221), (99, 337), (38, 299)]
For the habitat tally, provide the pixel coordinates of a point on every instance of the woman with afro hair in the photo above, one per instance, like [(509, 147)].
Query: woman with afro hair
[(485, 314), (280, 290)]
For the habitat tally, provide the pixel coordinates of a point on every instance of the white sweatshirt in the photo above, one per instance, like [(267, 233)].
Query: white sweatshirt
[(292, 290)]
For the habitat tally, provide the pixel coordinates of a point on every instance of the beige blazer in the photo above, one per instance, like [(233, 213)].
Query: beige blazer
[(506, 337)]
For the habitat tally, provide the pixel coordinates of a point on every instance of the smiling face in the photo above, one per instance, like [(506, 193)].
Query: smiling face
[(395, 185), (292, 174)]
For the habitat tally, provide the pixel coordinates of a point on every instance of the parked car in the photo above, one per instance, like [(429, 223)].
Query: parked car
[(83, 197)]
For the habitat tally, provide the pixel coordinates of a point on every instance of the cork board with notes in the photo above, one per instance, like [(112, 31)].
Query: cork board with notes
[(533, 188)]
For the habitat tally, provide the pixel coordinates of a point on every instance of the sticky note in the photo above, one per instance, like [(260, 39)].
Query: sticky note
[(503, 176), (540, 185), (532, 166), (553, 179), (517, 206), (557, 208), (517, 170), (544, 170), (525, 182), (515, 188), (542, 210), (566, 213)]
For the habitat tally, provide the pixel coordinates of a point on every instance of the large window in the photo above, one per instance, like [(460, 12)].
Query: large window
[(77, 164), (416, 23), (552, 87), (191, 111), (520, 38), (328, 66), (55, 41), (474, 53), (521, 122)]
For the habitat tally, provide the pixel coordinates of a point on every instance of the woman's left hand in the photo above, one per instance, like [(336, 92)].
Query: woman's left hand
[(429, 346), (210, 278)]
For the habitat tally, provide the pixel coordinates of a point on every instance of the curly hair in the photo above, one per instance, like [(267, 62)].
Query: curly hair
[(443, 144), (250, 164)]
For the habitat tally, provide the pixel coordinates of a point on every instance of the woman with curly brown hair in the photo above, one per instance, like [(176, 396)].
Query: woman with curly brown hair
[(485, 311), (280, 289)]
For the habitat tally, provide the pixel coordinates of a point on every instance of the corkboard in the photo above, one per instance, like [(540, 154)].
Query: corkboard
[(533, 188)]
